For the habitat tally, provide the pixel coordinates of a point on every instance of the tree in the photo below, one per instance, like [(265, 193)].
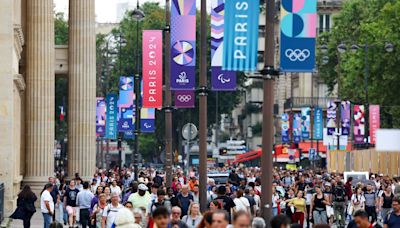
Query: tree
[(366, 21), (61, 84)]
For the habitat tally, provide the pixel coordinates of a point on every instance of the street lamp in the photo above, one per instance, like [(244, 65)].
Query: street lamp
[(389, 47), (137, 15)]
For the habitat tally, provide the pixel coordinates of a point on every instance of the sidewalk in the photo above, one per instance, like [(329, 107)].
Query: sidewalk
[(36, 221)]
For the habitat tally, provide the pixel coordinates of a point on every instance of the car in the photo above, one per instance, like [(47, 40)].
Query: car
[(219, 178)]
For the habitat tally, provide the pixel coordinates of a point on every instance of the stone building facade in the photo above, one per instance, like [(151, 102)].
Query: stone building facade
[(29, 63)]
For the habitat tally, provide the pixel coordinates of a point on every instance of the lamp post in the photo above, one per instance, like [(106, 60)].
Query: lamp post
[(138, 16), (342, 48)]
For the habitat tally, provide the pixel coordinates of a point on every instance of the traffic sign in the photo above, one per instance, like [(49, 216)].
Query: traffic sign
[(189, 131)]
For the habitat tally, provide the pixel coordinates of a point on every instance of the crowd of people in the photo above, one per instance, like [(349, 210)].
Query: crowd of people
[(302, 198)]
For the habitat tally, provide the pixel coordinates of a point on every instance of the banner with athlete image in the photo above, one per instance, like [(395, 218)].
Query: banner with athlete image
[(184, 99), (331, 117), (152, 45), (285, 124), (297, 127), (345, 117), (241, 35), (101, 108), (359, 124), (221, 80), (374, 122), (111, 116), (305, 122), (125, 104), (298, 33), (318, 133), (183, 44)]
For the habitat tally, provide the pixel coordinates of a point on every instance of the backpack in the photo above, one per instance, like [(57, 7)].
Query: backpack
[(340, 194)]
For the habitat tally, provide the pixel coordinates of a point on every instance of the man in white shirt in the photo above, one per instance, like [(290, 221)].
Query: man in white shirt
[(47, 205), (110, 212), (115, 188)]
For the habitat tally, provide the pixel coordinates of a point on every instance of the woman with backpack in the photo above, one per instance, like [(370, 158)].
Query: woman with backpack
[(25, 206), (357, 201)]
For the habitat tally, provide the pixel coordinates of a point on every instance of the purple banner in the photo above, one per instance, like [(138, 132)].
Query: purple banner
[(221, 80), (125, 104), (359, 124), (331, 117), (100, 117), (183, 44), (184, 99), (345, 117)]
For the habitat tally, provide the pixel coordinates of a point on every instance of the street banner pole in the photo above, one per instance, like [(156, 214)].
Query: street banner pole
[(268, 124), (203, 107), (167, 104)]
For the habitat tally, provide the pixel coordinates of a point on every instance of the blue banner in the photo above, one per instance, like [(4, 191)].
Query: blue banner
[(241, 35), (297, 127), (305, 122), (129, 135), (125, 104), (125, 122), (285, 125), (111, 114), (298, 32), (318, 133)]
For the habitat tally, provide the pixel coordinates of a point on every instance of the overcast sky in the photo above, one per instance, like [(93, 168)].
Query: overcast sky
[(105, 9)]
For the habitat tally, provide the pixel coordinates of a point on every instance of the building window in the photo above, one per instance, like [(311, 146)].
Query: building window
[(324, 23)]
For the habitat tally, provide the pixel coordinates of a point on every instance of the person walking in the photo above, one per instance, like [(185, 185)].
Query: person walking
[(194, 217), (70, 203), (339, 204), (318, 207), (300, 208), (386, 201), (185, 199), (357, 201), (83, 200), (97, 213), (392, 220), (111, 211), (25, 206), (176, 221), (371, 202), (47, 205)]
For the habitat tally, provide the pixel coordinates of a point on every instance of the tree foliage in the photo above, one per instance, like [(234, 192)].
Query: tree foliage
[(372, 22), (61, 84)]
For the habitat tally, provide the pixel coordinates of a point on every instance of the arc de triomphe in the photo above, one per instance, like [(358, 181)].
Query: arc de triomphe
[(28, 66)]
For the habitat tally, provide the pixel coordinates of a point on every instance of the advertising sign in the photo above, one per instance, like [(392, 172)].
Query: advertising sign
[(374, 122), (183, 44), (152, 69), (285, 128), (101, 108), (305, 122), (221, 80), (359, 124), (241, 35), (111, 114), (298, 32), (184, 99), (318, 133)]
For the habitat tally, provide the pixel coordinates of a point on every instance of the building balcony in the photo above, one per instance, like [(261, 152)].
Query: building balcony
[(300, 102)]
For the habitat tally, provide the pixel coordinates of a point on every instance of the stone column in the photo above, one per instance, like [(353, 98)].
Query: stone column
[(82, 89), (39, 92)]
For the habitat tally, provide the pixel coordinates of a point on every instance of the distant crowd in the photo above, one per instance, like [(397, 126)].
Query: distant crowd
[(300, 198)]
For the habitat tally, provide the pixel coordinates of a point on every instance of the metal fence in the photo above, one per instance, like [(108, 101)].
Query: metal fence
[(1, 202)]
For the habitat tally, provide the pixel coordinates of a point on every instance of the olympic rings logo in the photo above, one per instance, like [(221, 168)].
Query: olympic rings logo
[(184, 98), (297, 54)]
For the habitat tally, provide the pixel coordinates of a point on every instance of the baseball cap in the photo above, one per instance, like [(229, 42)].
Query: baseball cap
[(143, 187)]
